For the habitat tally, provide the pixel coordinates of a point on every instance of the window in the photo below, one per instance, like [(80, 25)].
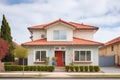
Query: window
[(59, 35), (82, 56), (40, 55), (112, 48)]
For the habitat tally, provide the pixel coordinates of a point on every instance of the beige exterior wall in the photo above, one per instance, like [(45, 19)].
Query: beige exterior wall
[(37, 34), (107, 51), (85, 34)]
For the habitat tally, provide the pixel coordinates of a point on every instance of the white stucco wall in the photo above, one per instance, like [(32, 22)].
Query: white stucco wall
[(67, 28), (85, 34), (37, 34), (68, 53)]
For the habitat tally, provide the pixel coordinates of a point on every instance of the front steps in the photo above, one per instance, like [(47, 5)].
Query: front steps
[(59, 69)]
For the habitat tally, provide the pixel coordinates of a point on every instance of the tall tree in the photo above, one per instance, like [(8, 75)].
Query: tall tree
[(6, 35)]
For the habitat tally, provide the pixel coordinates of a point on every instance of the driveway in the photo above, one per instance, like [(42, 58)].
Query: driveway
[(110, 69)]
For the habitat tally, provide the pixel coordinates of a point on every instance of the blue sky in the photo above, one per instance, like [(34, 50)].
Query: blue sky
[(24, 13)]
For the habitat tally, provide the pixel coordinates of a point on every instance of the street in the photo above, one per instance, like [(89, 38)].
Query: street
[(56, 79)]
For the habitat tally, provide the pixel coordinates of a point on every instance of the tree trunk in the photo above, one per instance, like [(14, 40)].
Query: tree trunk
[(23, 66)]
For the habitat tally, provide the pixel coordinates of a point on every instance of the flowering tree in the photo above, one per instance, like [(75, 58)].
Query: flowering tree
[(4, 47)]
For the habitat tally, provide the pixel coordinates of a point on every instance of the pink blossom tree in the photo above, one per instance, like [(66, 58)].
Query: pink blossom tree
[(4, 47)]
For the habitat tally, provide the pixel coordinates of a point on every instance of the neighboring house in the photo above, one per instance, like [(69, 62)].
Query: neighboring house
[(70, 42), (112, 48)]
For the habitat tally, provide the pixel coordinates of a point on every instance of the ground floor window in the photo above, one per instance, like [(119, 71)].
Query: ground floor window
[(40, 55), (82, 55)]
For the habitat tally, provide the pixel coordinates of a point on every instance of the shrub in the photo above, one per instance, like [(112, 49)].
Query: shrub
[(51, 68), (38, 68), (76, 68), (72, 68), (91, 68), (28, 68), (67, 68), (34, 68), (13, 68), (81, 68), (8, 63), (86, 68), (96, 68)]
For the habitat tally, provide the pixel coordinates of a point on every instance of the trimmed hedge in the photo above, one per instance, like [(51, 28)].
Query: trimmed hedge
[(82, 68), (28, 68), (8, 63), (67, 68)]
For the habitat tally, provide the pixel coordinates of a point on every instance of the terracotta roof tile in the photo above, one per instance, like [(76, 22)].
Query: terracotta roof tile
[(75, 25), (76, 41), (113, 41)]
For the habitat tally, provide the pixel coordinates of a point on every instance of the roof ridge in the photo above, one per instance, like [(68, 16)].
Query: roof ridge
[(83, 24), (73, 24), (113, 41)]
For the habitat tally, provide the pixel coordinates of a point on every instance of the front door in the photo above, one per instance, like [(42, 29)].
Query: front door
[(59, 55)]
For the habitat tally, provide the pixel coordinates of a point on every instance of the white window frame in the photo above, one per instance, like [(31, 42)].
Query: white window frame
[(40, 51), (60, 48), (85, 55), (59, 36)]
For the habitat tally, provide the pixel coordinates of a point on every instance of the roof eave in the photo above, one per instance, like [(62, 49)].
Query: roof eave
[(62, 45)]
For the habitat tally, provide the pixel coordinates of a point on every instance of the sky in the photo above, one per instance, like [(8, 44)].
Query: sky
[(21, 14)]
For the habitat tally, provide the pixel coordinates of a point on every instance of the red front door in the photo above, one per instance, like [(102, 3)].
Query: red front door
[(59, 55)]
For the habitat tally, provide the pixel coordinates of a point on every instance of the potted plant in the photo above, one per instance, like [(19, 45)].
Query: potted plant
[(47, 60)]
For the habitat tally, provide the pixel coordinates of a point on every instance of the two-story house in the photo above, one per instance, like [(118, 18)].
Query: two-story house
[(70, 42)]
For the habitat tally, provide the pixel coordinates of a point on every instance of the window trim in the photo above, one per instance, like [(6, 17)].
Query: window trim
[(40, 51), (60, 39), (85, 55)]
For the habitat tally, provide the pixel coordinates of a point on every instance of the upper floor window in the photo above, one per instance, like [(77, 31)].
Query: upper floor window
[(59, 35)]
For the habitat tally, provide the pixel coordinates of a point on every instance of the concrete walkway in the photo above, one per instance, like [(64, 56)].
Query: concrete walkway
[(110, 69)]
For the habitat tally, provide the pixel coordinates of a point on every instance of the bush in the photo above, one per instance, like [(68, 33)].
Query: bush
[(51, 68), (38, 68), (8, 63), (91, 68), (81, 68), (28, 68), (67, 68), (13, 68), (96, 68), (86, 68), (76, 68), (72, 68)]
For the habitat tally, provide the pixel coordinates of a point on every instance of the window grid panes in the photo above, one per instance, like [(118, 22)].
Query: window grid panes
[(82, 56), (59, 35), (40, 55)]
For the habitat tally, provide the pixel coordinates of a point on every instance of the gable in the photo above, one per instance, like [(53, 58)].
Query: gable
[(60, 26), (72, 25)]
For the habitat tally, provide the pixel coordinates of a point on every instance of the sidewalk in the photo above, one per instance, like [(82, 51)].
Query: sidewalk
[(68, 75)]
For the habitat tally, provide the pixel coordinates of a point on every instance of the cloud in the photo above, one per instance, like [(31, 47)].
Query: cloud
[(107, 34), (34, 12)]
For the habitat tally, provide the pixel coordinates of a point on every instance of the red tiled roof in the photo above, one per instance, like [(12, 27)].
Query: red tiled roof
[(76, 41), (75, 25), (113, 41)]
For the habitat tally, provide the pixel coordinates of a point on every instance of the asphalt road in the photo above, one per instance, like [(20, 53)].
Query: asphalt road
[(58, 79)]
